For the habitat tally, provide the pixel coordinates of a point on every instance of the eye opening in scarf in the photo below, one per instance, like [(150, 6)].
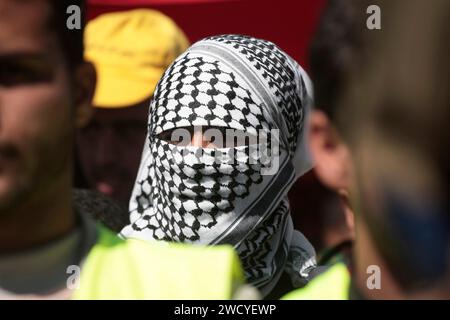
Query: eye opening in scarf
[(209, 137)]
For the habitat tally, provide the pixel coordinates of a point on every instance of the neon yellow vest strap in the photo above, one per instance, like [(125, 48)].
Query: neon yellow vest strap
[(333, 284), (133, 269)]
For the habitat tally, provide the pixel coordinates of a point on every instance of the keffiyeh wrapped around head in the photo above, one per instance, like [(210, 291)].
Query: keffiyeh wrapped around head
[(232, 82)]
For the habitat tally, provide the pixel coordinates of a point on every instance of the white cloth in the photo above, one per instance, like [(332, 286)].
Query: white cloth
[(183, 194)]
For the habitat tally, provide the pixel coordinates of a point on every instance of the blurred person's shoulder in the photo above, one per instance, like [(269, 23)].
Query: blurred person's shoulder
[(332, 284)]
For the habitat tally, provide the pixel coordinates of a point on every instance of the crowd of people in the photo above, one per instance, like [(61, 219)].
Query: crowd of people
[(135, 165)]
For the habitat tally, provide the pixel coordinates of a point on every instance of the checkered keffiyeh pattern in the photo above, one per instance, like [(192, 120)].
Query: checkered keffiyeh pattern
[(182, 194)]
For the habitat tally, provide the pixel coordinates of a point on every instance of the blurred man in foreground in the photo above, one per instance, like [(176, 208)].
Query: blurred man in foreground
[(49, 249), (395, 120)]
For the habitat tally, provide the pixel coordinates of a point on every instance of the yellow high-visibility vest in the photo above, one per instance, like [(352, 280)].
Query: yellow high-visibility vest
[(333, 284), (133, 269)]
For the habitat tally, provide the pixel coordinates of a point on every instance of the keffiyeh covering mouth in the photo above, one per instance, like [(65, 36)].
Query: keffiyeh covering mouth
[(241, 83)]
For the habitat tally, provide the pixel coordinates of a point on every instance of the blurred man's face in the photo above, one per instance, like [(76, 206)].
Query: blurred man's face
[(332, 159), (110, 149), (36, 117)]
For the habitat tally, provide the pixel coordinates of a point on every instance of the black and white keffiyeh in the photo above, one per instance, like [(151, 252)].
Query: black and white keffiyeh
[(241, 83)]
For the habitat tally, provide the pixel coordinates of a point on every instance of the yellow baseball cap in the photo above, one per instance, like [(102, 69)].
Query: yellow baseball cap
[(130, 51)]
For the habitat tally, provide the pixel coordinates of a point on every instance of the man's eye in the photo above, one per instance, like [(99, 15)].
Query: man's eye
[(12, 75), (164, 135), (210, 139), (168, 137), (180, 136)]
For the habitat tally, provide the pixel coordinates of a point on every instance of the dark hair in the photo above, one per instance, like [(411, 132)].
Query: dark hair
[(334, 47), (402, 92), (71, 41)]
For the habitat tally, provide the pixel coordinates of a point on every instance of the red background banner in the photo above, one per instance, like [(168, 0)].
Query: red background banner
[(288, 23)]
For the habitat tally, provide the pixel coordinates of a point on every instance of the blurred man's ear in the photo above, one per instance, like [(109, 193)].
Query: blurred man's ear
[(84, 82), (332, 159)]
